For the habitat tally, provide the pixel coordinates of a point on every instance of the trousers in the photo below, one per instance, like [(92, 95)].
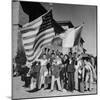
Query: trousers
[(53, 82)]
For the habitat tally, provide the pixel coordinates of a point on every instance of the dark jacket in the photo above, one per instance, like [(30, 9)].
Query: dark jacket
[(66, 63), (70, 67), (56, 70)]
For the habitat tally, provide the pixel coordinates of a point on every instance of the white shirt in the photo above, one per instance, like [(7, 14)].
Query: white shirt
[(79, 63)]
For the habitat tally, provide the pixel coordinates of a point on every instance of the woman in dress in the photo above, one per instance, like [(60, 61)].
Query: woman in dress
[(43, 70)]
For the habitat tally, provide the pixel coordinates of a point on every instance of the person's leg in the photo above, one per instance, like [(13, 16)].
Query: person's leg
[(45, 75), (52, 82), (90, 81), (72, 81), (33, 83), (66, 81), (69, 81), (58, 83), (61, 78), (79, 81), (41, 81), (37, 80), (86, 81), (76, 80), (62, 84), (27, 81)]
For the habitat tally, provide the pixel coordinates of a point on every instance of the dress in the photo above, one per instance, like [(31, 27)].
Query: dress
[(43, 72)]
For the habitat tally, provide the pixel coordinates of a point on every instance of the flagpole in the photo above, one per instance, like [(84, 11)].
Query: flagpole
[(51, 6)]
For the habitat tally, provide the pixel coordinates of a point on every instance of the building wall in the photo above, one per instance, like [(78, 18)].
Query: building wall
[(18, 18), (15, 21)]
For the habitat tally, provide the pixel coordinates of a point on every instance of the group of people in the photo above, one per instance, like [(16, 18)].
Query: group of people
[(59, 71)]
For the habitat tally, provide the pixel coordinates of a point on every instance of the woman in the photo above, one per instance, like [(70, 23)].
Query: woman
[(77, 66), (89, 74), (43, 70)]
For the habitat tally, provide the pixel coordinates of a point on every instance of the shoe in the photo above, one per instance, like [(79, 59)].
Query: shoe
[(60, 90), (72, 91), (51, 90)]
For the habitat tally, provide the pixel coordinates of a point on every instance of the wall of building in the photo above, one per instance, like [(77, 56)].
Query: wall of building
[(18, 18)]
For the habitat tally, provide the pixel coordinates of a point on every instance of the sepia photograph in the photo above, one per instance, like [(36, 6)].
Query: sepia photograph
[(54, 49)]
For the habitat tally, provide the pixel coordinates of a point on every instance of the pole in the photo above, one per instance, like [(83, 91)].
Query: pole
[(51, 6)]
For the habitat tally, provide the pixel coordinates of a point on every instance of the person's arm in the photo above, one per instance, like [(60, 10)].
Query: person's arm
[(39, 60), (93, 70)]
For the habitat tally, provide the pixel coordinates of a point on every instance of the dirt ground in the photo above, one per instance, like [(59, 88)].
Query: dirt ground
[(20, 92)]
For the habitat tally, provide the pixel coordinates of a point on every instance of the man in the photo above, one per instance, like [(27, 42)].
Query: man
[(24, 74), (49, 64), (56, 67), (63, 75), (34, 73), (70, 72)]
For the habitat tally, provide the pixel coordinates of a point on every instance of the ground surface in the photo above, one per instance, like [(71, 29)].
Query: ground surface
[(20, 92)]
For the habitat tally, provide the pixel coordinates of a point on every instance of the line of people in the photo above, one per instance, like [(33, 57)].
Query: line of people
[(58, 71), (62, 72)]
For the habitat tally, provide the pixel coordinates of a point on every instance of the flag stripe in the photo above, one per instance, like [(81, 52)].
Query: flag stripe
[(37, 34), (28, 47), (28, 37), (48, 41), (28, 40), (31, 58), (28, 44), (49, 31), (39, 41), (31, 28), (42, 41), (30, 53), (30, 33), (30, 24)]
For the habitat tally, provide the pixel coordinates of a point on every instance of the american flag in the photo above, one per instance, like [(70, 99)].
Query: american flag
[(37, 34)]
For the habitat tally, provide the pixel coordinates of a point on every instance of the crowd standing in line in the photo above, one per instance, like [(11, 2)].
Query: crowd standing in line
[(57, 71)]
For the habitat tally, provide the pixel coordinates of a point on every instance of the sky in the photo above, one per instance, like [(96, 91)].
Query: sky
[(78, 14)]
